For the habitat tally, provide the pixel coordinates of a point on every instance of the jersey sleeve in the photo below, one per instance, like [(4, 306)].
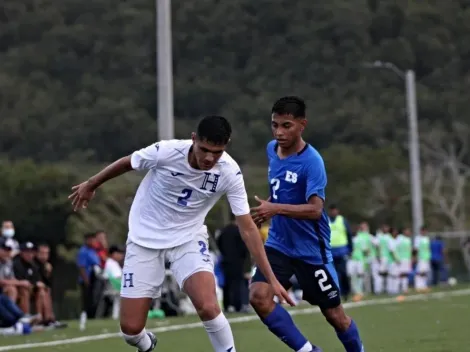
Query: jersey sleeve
[(236, 194), (316, 178), (147, 158)]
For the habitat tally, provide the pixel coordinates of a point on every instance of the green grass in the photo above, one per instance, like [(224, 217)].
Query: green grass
[(435, 324)]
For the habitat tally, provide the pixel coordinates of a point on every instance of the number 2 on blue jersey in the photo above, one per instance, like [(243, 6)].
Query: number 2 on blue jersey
[(186, 194), (275, 183)]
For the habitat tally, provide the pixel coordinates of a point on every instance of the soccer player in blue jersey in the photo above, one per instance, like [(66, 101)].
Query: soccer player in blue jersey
[(299, 237)]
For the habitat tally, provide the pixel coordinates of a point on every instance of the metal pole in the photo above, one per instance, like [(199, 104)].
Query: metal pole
[(415, 167), (164, 70)]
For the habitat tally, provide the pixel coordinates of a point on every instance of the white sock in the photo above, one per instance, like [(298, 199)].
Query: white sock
[(307, 347), (404, 284), (360, 285), (220, 334), (141, 341), (390, 284), (379, 284), (419, 282)]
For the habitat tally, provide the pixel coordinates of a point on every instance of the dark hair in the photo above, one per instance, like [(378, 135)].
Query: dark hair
[(214, 129), (89, 235), (43, 244), (290, 106), (114, 249), (332, 207)]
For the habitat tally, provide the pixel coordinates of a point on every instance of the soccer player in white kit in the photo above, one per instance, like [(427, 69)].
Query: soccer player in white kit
[(166, 223)]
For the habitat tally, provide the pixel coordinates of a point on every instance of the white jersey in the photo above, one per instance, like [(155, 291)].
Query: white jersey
[(172, 202)]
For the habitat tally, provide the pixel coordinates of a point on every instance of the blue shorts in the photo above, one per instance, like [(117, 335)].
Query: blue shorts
[(319, 283)]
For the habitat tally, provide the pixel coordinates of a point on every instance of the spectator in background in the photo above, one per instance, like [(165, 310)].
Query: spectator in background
[(25, 268), (264, 231), (87, 262), (438, 259), (234, 255), (16, 290), (101, 246), (341, 247), (44, 266), (8, 232), (113, 266)]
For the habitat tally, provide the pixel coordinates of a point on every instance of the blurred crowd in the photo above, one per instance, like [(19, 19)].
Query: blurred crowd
[(25, 285)]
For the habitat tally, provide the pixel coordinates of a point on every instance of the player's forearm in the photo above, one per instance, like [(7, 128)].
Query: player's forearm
[(300, 211), (116, 169), (255, 246)]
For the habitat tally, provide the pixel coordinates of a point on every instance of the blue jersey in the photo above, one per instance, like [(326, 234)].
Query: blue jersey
[(293, 180)]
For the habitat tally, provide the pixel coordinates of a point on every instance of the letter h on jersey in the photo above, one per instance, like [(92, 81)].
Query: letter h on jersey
[(211, 179), (128, 280)]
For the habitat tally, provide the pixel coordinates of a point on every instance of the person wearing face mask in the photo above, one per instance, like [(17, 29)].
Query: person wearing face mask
[(8, 232)]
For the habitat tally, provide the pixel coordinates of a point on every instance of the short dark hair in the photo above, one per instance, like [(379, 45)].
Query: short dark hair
[(214, 129), (333, 206), (89, 235), (115, 249), (290, 105)]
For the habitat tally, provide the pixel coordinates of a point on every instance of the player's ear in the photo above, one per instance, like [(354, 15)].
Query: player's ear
[(303, 123), (193, 136)]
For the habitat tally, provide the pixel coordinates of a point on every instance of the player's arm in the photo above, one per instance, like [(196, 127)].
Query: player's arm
[(250, 234), (314, 194), (143, 159)]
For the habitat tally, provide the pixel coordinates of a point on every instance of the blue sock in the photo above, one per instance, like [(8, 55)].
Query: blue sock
[(280, 323), (351, 339)]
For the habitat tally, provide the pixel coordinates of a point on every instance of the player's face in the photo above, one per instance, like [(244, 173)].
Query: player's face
[(287, 130), (206, 154)]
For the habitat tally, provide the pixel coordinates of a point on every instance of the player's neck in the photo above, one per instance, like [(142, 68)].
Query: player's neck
[(294, 149), (192, 159)]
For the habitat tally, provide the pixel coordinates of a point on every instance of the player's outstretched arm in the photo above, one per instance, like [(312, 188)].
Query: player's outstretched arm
[(144, 159), (84, 192), (252, 238)]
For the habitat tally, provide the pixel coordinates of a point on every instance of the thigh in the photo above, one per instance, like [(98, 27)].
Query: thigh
[(319, 283), (405, 267), (190, 258), (281, 266), (143, 272), (423, 266)]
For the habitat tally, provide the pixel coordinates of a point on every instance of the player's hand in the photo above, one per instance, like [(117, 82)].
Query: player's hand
[(264, 211), (281, 293), (81, 195)]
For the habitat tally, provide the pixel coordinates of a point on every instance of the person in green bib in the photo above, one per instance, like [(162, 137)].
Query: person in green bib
[(357, 263), (383, 240), (422, 246), (341, 247), (393, 277), (404, 249)]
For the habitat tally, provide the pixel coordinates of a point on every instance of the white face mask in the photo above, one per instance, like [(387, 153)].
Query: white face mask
[(8, 233)]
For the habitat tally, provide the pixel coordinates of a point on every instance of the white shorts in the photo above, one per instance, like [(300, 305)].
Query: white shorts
[(143, 273), (374, 266), (405, 267), (394, 269), (423, 266), (355, 267), (384, 265)]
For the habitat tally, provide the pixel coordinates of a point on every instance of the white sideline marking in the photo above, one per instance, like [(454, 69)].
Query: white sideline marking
[(372, 302)]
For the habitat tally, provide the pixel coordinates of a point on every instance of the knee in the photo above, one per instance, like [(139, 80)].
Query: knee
[(261, 297), (337, 318), (132, 327), (10, 291), (208, 310)]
